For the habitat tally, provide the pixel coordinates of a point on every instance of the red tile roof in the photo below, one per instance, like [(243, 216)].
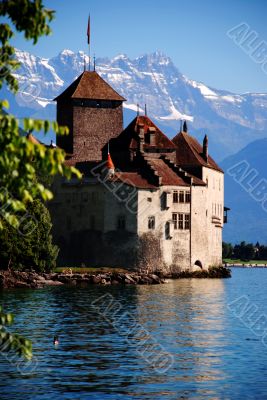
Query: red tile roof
[(90, 85), (190, 152), (133, 179), (154, 167), (128, 139), (169, 177)]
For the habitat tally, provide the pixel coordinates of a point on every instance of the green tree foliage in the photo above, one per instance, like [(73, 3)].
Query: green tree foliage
[(11, 342), (244, 251), (227, 250), (31, 245), (19, 158)]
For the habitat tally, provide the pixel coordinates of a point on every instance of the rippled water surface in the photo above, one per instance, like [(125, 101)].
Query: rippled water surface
[(215, 354)]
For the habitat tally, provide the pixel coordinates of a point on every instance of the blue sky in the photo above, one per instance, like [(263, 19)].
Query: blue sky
[(192, 32)]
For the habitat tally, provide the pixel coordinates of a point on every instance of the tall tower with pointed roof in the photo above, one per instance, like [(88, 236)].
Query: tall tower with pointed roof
[(92, 110)]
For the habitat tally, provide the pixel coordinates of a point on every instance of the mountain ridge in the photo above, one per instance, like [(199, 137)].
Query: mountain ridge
[(230, 120)]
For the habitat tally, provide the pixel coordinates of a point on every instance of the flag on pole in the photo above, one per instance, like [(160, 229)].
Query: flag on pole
[(88, 30)]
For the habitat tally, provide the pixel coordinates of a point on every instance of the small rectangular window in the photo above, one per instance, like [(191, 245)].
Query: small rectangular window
[(175, 220), (175, 196), (181, 196), (187, 197), (121, 222), (181, 221), (186, 222), (167, 199), (151, 222)]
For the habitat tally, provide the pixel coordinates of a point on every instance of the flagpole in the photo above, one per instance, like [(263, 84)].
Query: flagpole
[(88, 41)]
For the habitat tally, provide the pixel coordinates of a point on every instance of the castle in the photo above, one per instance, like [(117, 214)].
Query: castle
[(144, 201)]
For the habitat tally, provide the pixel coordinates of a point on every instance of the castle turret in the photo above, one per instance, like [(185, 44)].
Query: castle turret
[(185, 127), (92, 110)]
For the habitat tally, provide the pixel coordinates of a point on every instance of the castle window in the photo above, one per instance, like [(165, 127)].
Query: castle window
[(186, 221), (187, 197), (181, 196), (121, 222), (167, 199), (181, 221), (175, 196), (151, 222), (149, 199), (175, 220)]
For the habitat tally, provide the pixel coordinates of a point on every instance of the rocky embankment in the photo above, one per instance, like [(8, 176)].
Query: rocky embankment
[(19, 279), (23, 279)]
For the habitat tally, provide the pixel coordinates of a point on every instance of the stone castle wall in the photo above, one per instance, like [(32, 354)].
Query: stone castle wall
[(93, 128), (87, 227)]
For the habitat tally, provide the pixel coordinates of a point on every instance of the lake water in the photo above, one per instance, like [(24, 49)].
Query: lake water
[(205, 346)]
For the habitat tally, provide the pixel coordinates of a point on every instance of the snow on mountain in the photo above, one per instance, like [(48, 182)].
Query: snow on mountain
[(230, 120)]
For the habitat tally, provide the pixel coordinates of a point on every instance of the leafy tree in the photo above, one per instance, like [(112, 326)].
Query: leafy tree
[(262, 252), (33, 249), (244, 251), (227, 250), (11, 341), (18, 184)]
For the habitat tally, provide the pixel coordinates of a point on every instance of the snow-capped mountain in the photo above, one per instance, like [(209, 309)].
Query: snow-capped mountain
[(231, 120)]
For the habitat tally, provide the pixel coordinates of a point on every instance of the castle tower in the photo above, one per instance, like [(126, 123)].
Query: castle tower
[(92, 110)]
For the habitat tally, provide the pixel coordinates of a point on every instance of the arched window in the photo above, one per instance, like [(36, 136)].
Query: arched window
[(199, 264)]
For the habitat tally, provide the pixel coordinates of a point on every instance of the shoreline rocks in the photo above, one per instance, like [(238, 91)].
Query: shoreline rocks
[(22, 279), (34, 280)]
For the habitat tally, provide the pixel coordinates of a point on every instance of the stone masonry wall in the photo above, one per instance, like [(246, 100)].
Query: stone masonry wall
[(65, 118), (93, 128)]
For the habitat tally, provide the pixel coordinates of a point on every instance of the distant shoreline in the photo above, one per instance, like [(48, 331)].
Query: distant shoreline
[(240, 265)]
